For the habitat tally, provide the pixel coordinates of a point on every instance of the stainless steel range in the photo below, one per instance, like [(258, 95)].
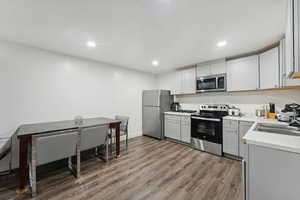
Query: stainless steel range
[(207, 129)]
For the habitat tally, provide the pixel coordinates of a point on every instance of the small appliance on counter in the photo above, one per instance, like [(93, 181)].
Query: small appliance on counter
[(291, 112), (234, 111), (175, 106), (285, 116), (263, 111), (271, 113)]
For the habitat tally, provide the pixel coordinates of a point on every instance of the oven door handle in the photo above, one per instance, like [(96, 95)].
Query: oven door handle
[(207, 119)]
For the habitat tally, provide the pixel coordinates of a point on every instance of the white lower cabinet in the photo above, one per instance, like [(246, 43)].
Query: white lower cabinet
[(185, 129), (244, 127), (230, 142), (178, 127), (230, 137), (233, 132), (172, 127), (271, 174)]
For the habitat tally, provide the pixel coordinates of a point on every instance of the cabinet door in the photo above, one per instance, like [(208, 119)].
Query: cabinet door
[(168, 81), (242, 74), (172, 127), (230, 142), (285, 81), (218, 67), (269, 69), (176, 83), (244, 127), (272, 174), (289, 35), (203, 70), (185, 129), (188, 81)]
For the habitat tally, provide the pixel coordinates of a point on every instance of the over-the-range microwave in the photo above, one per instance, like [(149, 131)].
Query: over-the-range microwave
[(213, 83)]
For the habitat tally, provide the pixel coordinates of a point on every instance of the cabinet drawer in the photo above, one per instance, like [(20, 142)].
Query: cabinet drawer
[(246, 123), (172, 118), (186, 120), (230, 124)]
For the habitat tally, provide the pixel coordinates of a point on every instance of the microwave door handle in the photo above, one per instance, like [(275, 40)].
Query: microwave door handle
[(207, 119), (217, 82)]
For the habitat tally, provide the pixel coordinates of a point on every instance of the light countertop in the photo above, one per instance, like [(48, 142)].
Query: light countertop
[(178, 113), (273, 140), (270, 140), (253, 119)]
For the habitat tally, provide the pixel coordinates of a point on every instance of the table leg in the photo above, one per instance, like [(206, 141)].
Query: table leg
[(23, 153), (117, 127)]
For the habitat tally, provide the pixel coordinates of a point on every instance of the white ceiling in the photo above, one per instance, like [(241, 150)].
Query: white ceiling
[(132, 33)]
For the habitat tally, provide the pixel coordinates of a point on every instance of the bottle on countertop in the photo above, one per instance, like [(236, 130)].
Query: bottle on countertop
[(266, 110)]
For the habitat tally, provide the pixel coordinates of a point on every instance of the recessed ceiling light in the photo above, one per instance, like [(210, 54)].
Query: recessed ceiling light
[(91, 44), (155, 63), (222, 43)]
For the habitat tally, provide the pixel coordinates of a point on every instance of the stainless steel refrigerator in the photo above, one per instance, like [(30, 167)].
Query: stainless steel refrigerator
[(155, 103)]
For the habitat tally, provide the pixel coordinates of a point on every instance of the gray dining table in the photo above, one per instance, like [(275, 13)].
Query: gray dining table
[(25, 133)]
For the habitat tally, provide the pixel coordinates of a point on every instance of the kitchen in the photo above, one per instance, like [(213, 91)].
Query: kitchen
[(168, 105)]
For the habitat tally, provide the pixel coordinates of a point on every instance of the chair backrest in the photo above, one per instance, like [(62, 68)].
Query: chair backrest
[(5, 146), (93, 137), (5, 155), (5, 143), (55, 146), (124, 122)]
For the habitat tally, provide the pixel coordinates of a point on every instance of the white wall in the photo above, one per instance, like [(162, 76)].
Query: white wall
[(39, 86)]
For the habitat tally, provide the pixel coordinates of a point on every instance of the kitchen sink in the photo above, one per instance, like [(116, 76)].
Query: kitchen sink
[(278, 129)]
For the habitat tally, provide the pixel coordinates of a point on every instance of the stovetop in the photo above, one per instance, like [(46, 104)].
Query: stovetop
[(211, 114), (185, 111)]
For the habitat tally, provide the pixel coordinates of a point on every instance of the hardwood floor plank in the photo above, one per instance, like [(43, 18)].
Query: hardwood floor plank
[(152, 169)]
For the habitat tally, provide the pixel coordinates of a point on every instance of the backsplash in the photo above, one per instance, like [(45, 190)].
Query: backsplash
[(248, 102)]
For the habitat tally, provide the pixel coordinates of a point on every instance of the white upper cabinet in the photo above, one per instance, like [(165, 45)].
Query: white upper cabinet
[(188, 81), (243, 74), (292, 38), (203, 70), (269, 69), (211, 68), (179, 82), (284, 81), (289, 35), (170, 81), (218, 67), (176, 89)]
